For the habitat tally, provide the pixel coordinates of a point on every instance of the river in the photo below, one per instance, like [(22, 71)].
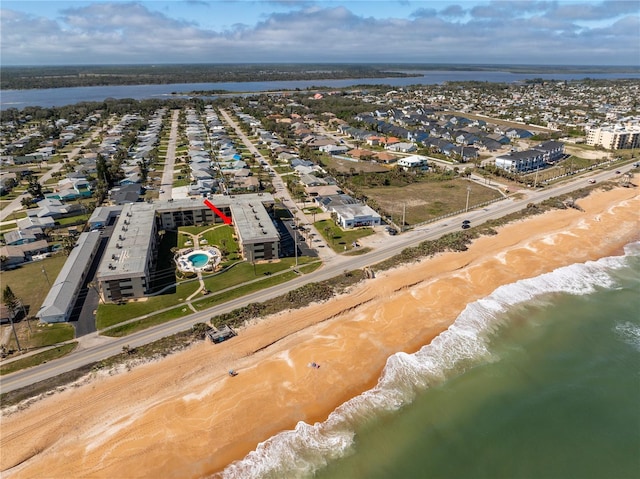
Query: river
[(52, 97)]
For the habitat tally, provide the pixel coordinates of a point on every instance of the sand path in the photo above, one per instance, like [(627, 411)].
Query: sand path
[(184, 416)]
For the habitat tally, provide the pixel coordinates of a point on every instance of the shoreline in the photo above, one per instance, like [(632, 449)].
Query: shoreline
[(212, 420)]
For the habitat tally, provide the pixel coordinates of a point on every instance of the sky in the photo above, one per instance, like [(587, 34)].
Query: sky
[(556, 32)]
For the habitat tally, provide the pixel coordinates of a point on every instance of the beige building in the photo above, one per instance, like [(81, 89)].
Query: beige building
[(614, 137)]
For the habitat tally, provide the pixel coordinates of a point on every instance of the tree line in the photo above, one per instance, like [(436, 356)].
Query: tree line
[(21, 78)]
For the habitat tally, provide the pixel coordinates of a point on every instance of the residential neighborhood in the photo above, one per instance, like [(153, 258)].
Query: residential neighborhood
[(295, 173)]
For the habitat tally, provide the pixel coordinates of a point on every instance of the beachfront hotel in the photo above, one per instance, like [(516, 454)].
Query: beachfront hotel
[(130, 257)]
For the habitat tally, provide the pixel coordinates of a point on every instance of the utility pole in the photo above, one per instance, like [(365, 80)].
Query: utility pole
[(45, 275), (295, 239), (404, 214), (13, 327), (468, 192), (24, 314)]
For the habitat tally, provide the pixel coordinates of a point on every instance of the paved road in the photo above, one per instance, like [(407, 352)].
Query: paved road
[(166, 186), (94, 347), (300, 217)]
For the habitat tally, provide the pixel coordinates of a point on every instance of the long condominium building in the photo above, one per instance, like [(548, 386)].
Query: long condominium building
[(64, 292)]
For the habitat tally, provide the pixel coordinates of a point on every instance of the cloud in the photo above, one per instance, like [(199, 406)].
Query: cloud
[(113, 32), (597, 11), (424, 12), (505, 9), (453, 11)]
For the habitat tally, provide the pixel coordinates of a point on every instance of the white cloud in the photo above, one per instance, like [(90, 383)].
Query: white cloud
[(493, 32)]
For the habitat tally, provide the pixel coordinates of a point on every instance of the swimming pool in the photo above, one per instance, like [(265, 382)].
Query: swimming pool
[(198, 260)]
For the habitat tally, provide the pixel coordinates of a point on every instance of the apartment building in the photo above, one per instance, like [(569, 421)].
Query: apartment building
[(130, 257), (614, 137)]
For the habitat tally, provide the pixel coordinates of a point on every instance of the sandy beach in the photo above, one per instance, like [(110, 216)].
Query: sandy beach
[(185, 417)]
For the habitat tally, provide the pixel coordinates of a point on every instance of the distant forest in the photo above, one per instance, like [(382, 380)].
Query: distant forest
[(22, 78), (28, 77)]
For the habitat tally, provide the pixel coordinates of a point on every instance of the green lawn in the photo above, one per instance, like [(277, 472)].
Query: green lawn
[(204, 302), (154, 320), (340, 240), (110, 314), (30, 284), (195, 230), (33, 334), (243, 272), (283, 169), (39, 358), (240, 291), (8, 227), (177, 182), (48, 334), (219, 235), (72, 220), (222, 236)]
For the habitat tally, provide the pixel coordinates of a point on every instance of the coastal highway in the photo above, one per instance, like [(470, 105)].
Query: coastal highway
[(98, 347)]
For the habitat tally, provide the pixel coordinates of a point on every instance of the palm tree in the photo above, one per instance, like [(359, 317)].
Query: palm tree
[(68, 243), (327, 232), (26, 201)]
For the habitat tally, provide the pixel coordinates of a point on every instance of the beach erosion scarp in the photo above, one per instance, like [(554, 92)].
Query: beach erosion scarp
[(184, 416)]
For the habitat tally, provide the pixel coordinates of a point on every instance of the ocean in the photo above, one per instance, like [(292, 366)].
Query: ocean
[(541, 379)]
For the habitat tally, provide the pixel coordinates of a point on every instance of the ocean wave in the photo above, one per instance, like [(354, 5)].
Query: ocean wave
[(307, 448), (629, 333)]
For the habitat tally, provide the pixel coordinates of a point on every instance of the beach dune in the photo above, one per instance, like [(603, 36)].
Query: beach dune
[(184, 416)]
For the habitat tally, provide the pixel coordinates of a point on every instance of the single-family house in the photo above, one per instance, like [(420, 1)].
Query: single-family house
[(518, 133), (311, 180), (125, 194), (413, 162), (350, 213), (18, 237), (332, 149)]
